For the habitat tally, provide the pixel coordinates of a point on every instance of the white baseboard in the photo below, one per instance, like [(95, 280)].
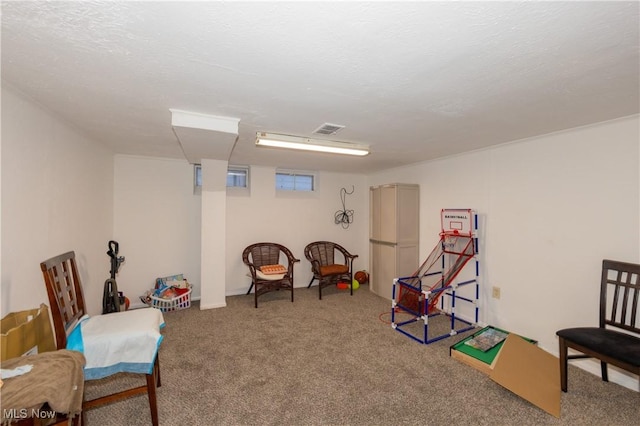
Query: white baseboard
[(212, 306)]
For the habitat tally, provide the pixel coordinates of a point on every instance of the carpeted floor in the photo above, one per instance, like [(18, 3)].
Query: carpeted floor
[(334, 361)]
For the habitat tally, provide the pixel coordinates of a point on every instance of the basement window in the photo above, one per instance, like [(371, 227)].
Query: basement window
[(197, 176), (290, 180), (237, 176)]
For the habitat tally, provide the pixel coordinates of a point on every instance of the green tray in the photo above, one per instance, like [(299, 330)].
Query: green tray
[(485, 356)]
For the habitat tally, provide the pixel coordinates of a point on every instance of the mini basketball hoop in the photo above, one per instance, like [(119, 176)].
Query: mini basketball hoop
[(458, 222)]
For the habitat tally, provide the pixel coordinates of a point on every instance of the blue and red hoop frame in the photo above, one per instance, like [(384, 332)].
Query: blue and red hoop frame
[(457, 246)]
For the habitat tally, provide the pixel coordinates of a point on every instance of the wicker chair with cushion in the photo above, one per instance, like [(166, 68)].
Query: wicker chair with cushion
[(330, 263), (616, 340), (271, 268)]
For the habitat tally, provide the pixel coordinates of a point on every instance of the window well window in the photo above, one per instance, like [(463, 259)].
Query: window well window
[(197, 176), (237, 176), (288, 180)]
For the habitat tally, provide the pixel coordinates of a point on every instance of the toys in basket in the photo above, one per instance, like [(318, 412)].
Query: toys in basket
[(171, 293)]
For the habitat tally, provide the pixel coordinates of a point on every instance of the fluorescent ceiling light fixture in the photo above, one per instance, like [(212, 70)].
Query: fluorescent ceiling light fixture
[(307, 144)]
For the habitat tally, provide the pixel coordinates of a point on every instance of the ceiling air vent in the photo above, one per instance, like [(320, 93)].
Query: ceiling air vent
[(328, 129)]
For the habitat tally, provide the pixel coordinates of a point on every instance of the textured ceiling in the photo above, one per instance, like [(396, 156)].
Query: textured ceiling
[(413, 80)]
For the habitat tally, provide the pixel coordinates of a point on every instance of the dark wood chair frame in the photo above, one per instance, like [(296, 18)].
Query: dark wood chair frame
[(66, 297), (323, 253), (619, 304), (266, 253)]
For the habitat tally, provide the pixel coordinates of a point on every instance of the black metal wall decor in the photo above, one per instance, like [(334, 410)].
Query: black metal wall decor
[(344, 217)]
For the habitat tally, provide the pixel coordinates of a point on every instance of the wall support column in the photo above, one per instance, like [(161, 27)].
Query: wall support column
[(213, 244)]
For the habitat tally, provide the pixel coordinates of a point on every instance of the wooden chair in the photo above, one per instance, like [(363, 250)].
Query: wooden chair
[(262, 257), (330, 262), (68, 309), (619, 302)]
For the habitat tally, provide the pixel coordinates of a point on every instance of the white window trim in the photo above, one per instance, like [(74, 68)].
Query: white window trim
[(240, 190), (247, 176), (293, 172), (197, 171)]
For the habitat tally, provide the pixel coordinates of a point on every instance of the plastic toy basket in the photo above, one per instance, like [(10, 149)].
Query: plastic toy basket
[(182, 301)]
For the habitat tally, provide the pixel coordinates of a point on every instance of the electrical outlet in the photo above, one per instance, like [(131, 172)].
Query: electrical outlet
[(495, 292)]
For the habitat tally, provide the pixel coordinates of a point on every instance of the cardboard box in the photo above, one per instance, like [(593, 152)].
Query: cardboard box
[(529, 372), (519, 365), (25, 333)]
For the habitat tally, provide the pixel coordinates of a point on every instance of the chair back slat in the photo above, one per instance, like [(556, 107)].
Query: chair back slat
[(634, 305), (619, 295), (64, 290)]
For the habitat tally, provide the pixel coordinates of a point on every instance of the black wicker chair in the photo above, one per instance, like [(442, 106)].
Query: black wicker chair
[(262, 257), (330, 262)]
